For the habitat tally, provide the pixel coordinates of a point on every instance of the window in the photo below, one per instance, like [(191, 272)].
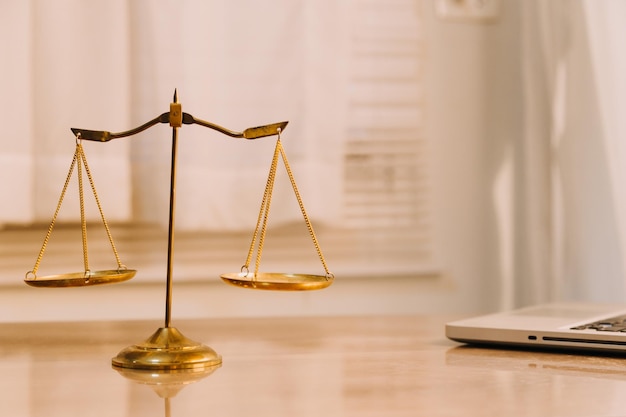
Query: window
[(386, 202)]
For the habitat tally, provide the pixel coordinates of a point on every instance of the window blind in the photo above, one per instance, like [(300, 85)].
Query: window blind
[(387, 197)]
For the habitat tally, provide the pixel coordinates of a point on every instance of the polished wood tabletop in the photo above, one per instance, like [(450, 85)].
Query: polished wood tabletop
[(325, 366)]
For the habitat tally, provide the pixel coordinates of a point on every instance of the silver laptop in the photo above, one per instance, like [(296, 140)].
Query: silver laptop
[(565, 326)]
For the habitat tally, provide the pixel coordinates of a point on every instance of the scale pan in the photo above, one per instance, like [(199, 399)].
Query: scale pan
[(79, 279), (278, 281)]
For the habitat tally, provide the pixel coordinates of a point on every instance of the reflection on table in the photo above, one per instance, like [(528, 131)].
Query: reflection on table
[(331, 366)]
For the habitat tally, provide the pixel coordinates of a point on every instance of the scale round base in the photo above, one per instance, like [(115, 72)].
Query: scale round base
[(278, 281), (167, 350)]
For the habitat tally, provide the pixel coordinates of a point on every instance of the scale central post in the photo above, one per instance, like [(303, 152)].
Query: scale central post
[(176, 121), (168, 349)]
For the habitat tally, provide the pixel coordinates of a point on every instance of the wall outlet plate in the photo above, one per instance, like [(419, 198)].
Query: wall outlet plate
[(479, 11)]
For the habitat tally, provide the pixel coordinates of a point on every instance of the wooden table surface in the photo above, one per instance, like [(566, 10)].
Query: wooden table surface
[(344, 366)]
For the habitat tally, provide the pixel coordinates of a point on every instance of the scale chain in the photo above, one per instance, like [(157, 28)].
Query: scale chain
[(81, 199), (104, 221), (266, 211), (301, 204), (80, 161), (54, 217), (265, 207), (263, 214)]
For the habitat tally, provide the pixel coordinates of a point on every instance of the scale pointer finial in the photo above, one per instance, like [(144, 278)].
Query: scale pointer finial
[(176, 112)]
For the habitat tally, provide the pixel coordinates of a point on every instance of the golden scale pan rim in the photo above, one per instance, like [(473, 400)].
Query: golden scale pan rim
[(278, 281), (81, 279)]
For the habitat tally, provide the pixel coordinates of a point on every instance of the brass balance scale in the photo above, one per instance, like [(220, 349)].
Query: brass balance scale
[(168, 349)]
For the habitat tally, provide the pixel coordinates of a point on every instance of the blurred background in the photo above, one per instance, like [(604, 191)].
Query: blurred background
[(453, 155)]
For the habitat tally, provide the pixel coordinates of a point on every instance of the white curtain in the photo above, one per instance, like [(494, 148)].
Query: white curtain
[(606, 30), (572, 195), (112, 65), (64, 64)]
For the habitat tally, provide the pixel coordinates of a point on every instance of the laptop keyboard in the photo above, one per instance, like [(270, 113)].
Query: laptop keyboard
[(613, 324)]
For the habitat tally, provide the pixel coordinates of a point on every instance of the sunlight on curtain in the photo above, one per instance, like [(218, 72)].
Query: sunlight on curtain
[(606, 30), (520, 183), (568, 229), (573, 75), (591, 256), (504, 211)]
